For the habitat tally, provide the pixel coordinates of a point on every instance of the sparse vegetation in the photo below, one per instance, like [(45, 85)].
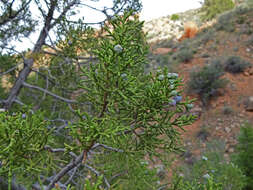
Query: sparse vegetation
[(227, 110), (214, 7), (203, 133), (235, 64), (184, 55), (213, 165), (225, 22), (207, 81)]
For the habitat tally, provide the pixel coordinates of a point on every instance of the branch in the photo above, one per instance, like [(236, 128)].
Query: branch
[(97, 174), (65, 170), (12, 15), (55, 150), (14, 186), (107, 147), (9, 70), (49, 93), (65, 10)]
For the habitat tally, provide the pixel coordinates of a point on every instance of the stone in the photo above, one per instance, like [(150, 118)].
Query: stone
[(249, 104), (227, 129), (246, 73)]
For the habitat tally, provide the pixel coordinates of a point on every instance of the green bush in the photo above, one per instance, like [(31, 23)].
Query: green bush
[(213, 166), (235, 64), (174, 17), (181, 184), (206, 81), (244, 156), (23, 136), (212, 8), (184, 55), (225, 22)]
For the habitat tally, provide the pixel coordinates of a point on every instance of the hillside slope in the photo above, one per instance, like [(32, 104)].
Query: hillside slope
[(229, 41)]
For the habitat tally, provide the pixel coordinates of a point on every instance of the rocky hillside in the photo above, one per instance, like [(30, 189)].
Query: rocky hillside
[(228, 43)]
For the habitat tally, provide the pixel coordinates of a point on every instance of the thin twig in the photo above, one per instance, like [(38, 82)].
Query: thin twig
[(49, 93)]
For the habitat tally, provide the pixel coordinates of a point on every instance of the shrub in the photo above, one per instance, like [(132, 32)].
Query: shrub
[(185, 55), (214, 7), (225, 22), (227, 110), (174, 17), (244, 155), (234, 64), (206, 82), (203, 133), (181, 184)]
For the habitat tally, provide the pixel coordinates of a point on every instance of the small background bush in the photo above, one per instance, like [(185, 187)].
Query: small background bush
[(235, 64), (174, 17), (206, 82)]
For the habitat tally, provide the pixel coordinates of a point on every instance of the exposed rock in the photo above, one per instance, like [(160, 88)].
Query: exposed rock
[(249, 104), (161, 51), (227, 129)]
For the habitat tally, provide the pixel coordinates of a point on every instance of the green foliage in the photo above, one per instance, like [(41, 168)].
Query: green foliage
[(96, 186), (128, 110), (174, 17), (244, 155), (127, 171), (214, 7), (209, 184), (213, 166), (206, 81), (235, 64), (122, 109), (23, 136)]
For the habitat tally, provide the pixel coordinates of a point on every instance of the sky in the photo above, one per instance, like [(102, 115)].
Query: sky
[(151, 9), (157, 8)]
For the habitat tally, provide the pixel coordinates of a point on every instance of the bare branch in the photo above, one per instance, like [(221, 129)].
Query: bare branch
[(107, 147), (97, 174), (55, 150), (9, 70), (11, 15), (65, 10), (49, 93)]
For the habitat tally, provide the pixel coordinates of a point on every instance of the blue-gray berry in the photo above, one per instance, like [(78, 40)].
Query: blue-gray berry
[(160, 77), (118, 48)]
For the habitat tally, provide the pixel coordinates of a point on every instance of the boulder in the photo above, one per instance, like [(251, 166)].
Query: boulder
[(249, 104)]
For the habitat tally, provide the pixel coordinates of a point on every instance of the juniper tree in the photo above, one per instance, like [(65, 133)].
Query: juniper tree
[(124, 118)]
